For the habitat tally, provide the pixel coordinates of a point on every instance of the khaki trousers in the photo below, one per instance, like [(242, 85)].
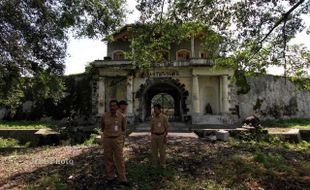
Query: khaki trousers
[(113, 157), (158, 146)]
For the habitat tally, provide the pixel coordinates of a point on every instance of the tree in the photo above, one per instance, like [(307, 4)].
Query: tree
[(248, 35), (33, 41)]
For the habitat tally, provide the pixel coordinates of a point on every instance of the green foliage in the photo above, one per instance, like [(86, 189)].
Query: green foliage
[(287, 123), (46, 86), (304, 83), (49, 182), (272, 161), (91, 140), (78, 89), (27, 125), (148, 41), (5, 143), (89, 70), (165, 100), (252, 137), (211, 44), (56, 97), (303, 146), (298, 66), (241, 82), (33, 36), (11, 93), (147, 177), (247, 36), (12, 143)]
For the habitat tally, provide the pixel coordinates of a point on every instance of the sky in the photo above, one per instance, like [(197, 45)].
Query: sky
[(83, 51)]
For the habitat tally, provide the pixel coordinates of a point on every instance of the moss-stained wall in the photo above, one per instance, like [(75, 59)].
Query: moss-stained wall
[(209, 93), (272, 97)]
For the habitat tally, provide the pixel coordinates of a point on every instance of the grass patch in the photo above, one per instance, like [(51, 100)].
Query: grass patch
[(9, 143), (288, 123), (27, 125), (144, 176), (49, 182), (274, 161), (92, 139)]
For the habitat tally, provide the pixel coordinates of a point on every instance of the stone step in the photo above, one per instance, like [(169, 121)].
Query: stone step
[(292, 135)]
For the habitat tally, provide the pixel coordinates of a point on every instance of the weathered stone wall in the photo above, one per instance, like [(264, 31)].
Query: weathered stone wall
[(209, 93), (269, 97), (273, 97)]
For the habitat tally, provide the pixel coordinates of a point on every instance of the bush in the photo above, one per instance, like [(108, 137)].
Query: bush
[(9, 142), (92, 139)]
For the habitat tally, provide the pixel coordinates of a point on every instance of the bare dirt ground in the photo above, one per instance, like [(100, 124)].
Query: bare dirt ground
[(192, 164)]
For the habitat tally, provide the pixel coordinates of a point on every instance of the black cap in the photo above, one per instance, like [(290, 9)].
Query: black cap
[(122, 102)]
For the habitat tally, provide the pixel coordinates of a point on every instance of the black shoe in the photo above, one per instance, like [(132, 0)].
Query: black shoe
[(124, 183), (110, 182)]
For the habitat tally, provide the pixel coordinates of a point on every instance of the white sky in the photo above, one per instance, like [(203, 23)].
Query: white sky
[(83, 51)]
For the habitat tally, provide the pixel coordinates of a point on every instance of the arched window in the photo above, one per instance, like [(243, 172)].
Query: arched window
[(183, 54), (118, 55)]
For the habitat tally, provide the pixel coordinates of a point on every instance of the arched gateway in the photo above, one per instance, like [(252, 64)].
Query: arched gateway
[(169, 86)]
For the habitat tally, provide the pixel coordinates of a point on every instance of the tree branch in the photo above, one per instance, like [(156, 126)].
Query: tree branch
[(283, 18)]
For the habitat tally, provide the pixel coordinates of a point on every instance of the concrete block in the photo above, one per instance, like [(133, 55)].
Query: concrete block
[(305, 134), (222, 135), (211, 138), (98, 139), (292, 135)]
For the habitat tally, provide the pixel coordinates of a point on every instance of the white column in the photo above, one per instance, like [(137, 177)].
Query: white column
[(195, 97), (129, 96), (101, 96), (225, 95), (221, 99), (193, 46)]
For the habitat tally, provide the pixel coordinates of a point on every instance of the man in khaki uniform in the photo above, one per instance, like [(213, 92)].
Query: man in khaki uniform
[(122, 107), (159, 131), (113, 125)]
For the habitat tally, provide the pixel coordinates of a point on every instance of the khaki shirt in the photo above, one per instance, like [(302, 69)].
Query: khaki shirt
[(113, 126), (125, 116), (159, 124), (123, 113)]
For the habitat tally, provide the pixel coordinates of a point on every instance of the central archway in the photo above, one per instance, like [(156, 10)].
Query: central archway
[(159, 86)]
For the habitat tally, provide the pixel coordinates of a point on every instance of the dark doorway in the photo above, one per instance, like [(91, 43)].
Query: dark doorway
[(163, 93), (167, 103), (168, 92)]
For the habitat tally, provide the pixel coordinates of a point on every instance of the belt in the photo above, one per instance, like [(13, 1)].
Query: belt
[(112, 137), (158, 133)]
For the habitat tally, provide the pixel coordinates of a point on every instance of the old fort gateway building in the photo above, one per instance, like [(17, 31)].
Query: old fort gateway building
[(189, 88), (186, 85)]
